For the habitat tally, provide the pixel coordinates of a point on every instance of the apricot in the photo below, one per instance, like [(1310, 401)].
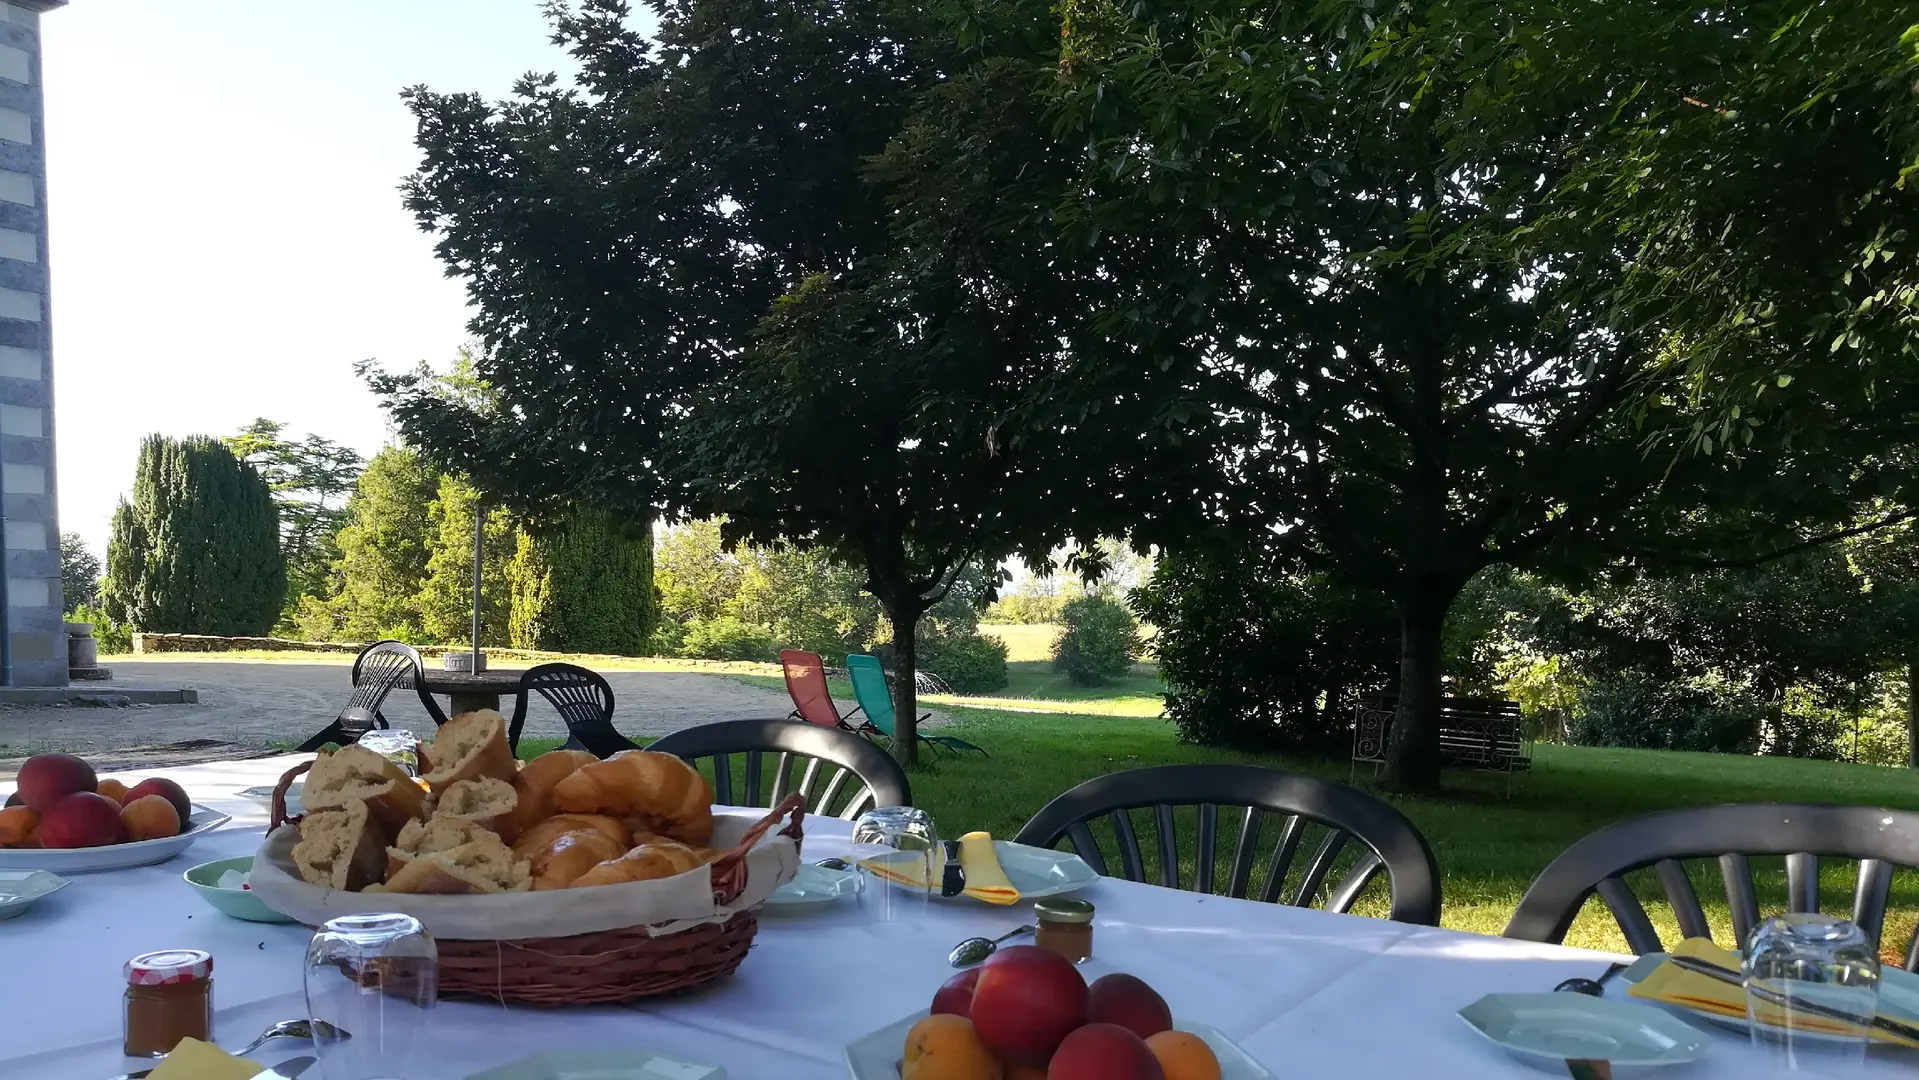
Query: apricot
[(1127, 1001), (1104, 1052), (113, 789), (168, 790), (1026, 1001), (1184, 1056), (945, 1047), (150, 817), (82, 819), (19, 827)]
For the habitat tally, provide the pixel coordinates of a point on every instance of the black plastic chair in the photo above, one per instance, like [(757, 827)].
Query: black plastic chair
[(582, 698), (1880, 839), (1390, 842), (880, 780), (381, 668)]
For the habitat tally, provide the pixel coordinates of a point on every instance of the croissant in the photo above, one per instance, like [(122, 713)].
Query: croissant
[(534, 786), (558, 825), (340, 848), (571, 854), (355, 773), (468, 746), (484, 866), (485, 802), (662, 793), (648, 862)]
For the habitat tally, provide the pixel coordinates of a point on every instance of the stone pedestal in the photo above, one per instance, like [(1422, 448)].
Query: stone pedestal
[(83, 654)]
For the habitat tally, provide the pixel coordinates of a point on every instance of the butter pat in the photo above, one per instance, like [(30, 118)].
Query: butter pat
[(195, 1060)]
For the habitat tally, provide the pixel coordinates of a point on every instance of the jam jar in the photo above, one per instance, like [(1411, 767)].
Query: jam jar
[(1065, 926), (169, 997)]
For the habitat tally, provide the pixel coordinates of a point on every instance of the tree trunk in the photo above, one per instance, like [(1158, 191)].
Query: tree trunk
[(1912, 711), (906, 724), (1412, 758)]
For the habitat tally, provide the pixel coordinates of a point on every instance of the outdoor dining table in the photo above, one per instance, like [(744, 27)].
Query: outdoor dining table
[(1309, 994), (468, 691)]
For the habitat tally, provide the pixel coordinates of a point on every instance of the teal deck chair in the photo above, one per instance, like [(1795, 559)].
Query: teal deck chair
[(876, 701)]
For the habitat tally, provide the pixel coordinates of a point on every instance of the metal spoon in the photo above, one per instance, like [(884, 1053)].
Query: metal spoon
[(975, 950), (285, 1029), (835, 864)]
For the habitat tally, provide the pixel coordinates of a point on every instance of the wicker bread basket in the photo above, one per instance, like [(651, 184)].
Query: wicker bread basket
[(639, 939)]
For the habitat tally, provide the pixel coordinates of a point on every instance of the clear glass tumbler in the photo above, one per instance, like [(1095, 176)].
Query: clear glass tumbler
[(373, 979), (397, 745), (1812, 988), (896, 852)]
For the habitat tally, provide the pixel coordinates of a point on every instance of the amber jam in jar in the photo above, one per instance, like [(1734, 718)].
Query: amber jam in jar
[(1065, 927), (169, 997)]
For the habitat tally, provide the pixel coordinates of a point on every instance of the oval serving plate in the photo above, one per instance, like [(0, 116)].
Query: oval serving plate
[(1546, 1030), (114, 856), (21, 889), (813, 887), (1035, 871)]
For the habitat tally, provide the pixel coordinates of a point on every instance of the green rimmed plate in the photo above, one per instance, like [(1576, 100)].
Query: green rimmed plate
[(238, 903)]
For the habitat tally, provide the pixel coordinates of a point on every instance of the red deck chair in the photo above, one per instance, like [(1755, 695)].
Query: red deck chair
[(806, 684)]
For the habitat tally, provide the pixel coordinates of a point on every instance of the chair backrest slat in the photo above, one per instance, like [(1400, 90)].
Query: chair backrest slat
[(782, 777), (1870, 897), (1359, 830), (1630, 914), (723, 780), (1736, 869), (1684, 900), (880, 779), (1802, 881)]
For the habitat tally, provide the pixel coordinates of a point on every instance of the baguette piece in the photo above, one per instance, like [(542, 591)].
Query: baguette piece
[(485, 802), (560, 862), (534, 786), (341, 848), (544, 833), (484, 866), (648, 862), (427, 837), (654, 792), (469, 746), (355, 773)]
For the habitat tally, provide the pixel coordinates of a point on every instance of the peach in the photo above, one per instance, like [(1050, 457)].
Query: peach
[(45, 779), (82, 819), (19, 827), (1127, 1001), (112, 789), (1104, 1052), (945, 1047), (1184, 1056), (955, 995), (1026, 1072), (149, 817), (1026, 1001), (169, 790)]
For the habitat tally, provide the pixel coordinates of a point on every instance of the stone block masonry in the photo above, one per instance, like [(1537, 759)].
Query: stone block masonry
[(35, 638)]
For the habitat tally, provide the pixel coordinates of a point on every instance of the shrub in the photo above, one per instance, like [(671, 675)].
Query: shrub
[(724, 637), (584, 585), (974, 664), (1635, 710), (1099, 643), (112, 637)]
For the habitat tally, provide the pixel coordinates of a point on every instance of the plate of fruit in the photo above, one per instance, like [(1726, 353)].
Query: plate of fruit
[(65, 819), (1027, 1014)]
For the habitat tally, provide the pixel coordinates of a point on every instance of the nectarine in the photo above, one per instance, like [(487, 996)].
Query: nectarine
[(45, 779), (1026, 1001), (169, 790), (1104, 1052), (1184, 1056), (945, 1047), (1127, 1001), (955, 995), (82, 819), (149, 817)]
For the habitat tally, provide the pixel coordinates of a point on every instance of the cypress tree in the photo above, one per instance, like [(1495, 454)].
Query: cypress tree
[(584, 584), (197, 551)]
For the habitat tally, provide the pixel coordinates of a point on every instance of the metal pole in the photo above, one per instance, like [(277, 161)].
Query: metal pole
[(479, 540)]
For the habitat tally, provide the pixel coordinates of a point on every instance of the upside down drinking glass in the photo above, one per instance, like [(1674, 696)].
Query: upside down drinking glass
[(1812, 989), (896, 852), (375, 978)]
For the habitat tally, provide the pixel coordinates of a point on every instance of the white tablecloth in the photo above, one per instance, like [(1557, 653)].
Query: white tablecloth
[(1311, 995)]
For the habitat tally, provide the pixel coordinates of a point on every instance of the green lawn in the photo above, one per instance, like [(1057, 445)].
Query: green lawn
[(1489, 846), (1025, 642)]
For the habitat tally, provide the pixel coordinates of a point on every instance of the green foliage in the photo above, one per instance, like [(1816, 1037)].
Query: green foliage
[(1631, 710), (111, 637), (584, 584), (1026, 608), (311, 480), (695, 570), (385, 544), (806, 599), (972, 664), (79, 573), (725, 637), (1258, 654), (197, 551), (1100, 641), (445, 602)]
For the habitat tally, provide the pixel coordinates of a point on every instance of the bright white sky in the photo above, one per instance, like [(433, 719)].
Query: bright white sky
[(227, 238)]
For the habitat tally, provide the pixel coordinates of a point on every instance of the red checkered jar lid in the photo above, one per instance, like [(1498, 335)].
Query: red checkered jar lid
[(169, 968)]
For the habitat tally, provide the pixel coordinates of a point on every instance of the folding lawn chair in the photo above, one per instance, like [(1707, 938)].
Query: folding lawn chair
[(806, 685), (876, 700)]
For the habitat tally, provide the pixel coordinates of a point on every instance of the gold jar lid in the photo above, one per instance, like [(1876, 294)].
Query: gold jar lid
[(1060, 909)]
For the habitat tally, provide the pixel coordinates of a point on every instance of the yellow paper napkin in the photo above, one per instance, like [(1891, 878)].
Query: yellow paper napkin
[(195, 1060), (1675, 985), (985, 879)]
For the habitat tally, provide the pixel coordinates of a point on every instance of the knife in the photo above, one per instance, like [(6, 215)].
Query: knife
[(287, 1070), (1712, 970), (953, 881)]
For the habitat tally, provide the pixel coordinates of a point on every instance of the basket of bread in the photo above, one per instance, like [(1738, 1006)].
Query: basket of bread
[(569, 880)]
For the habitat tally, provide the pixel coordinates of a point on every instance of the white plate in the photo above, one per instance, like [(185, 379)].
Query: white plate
[(616, 1065), (1898, 996), (877, 1056), (1545, 1030), (814, 886), (19, 889), (264, 796), (114, 856), (1036, 872)]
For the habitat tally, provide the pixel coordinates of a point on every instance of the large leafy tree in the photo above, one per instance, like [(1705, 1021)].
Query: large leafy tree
[(584, 583), (79, 572), (311, 480), (701, 289), (385, 544)]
